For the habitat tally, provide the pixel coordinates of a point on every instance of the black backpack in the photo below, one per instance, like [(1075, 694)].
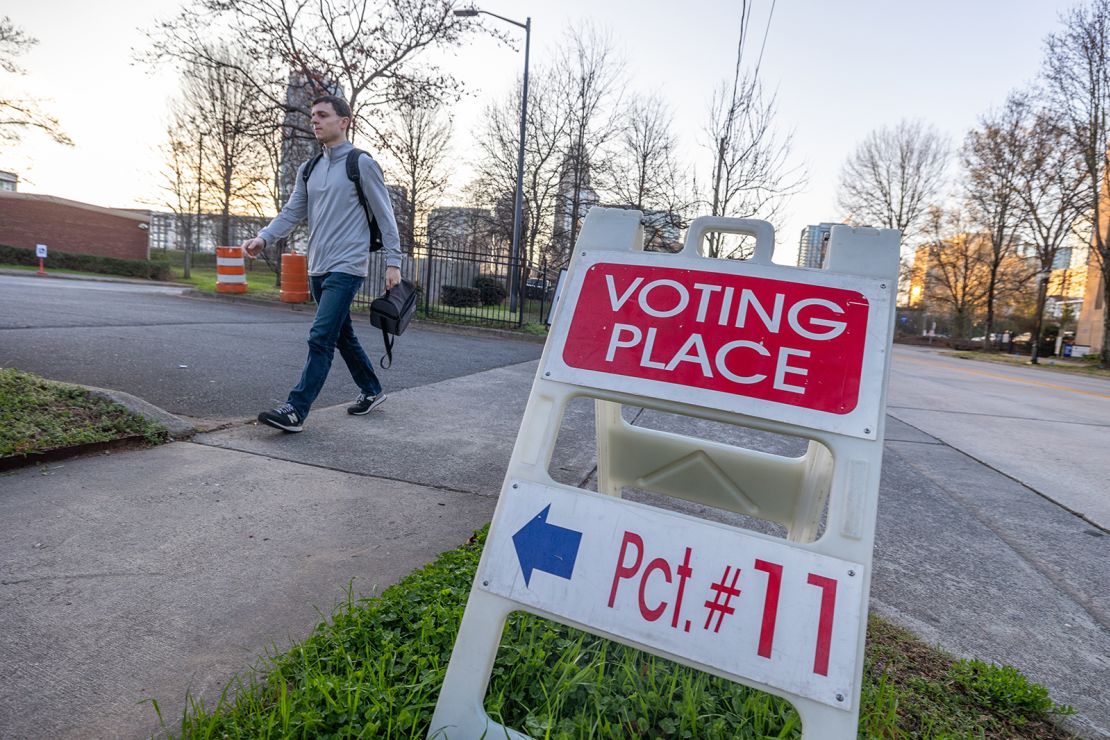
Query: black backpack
[(352, 175)]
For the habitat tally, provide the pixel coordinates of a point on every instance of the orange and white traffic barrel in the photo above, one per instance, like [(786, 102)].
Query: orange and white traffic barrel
[(294, 278), (231, 273)]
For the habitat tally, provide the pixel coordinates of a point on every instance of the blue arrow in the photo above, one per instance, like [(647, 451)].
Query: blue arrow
[(543, 546)]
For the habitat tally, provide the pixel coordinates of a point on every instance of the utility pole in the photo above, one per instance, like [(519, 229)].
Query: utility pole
[(515, 266)]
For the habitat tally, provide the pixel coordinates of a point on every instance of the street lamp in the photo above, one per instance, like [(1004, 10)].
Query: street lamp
[(514, 255)]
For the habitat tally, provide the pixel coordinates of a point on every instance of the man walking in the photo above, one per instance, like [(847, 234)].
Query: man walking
[(338, 260)]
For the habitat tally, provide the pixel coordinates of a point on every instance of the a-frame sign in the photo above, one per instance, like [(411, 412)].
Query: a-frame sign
[(795, 351)]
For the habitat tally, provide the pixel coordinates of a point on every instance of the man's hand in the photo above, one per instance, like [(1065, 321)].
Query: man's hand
[(251, 247), (392, 277)]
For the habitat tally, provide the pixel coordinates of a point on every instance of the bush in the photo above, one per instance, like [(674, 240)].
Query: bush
[(491, 289), (154, 269), (460, 296)]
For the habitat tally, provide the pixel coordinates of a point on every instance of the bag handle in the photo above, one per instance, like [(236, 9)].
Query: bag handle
[(386, 359)]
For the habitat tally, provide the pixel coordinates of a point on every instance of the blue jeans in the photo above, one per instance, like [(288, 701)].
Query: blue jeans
[(333, 293)]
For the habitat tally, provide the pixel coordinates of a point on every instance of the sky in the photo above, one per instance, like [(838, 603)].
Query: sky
[(839, 69)]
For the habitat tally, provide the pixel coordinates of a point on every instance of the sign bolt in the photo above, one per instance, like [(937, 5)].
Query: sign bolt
[(867, 430), (840, 697), (882, 285), (485, 583), (516, 485), (851, 572), (547, 375)]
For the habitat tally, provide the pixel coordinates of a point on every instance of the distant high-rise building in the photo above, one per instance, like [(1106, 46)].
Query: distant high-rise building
[(460, 230), (813, 243), (575, 174)]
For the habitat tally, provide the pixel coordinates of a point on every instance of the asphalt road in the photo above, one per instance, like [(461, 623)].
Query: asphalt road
[(204, 358), (1049, 431)]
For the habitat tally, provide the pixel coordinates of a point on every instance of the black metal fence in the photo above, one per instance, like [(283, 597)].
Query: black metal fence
[(464, 287)]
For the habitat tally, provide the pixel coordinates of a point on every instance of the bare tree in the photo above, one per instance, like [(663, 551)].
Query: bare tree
[(18, 114), (956, 275), (893, 176), (417, 138), (645, 175), (589, 85), (232, 123), (180, 179), (751, 175), (498, 139), (1077, 76), (1050, 184), (375, 50), (992, 157)]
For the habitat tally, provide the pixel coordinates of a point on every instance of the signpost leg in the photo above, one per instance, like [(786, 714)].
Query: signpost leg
[(41, 270), (607, 416), (460, 712)]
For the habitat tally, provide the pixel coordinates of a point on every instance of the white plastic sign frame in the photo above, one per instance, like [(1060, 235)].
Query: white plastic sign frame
[(552, 547)]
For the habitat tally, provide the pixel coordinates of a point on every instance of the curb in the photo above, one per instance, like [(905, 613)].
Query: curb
[(250, 300), (15, 462), (91, 278), (177, 427)]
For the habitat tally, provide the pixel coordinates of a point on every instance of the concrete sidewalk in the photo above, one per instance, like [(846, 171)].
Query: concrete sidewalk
[(152, 573)]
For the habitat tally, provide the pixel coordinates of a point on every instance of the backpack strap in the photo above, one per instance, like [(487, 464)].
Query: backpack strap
[(353, 176), (309, 166)]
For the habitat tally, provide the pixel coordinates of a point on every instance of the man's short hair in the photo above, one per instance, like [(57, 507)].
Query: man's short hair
[(338, 104)]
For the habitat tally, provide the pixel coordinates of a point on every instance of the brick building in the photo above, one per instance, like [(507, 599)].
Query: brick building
[(27, 219)]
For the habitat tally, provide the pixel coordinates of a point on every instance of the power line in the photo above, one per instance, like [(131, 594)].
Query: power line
[(763, 46)]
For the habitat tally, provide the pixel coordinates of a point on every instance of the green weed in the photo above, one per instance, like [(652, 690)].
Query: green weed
[(37, 415), (1006, 688), (374, 670)]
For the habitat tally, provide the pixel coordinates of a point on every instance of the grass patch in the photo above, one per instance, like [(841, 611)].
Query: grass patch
[(375, 669), (260, 282), (1064, 365), (202, 273), (39, 415)]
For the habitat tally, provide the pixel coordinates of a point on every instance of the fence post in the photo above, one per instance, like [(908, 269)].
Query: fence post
[(428, 281), (520, 294)]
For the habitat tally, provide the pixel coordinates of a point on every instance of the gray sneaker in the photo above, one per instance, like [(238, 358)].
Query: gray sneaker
[(364, 404), (284, 417)]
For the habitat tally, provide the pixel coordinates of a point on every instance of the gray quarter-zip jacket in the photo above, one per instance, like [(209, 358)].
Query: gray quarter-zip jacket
[(338, 234)]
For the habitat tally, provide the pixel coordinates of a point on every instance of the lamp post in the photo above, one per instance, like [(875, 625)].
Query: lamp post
[(514, 254)]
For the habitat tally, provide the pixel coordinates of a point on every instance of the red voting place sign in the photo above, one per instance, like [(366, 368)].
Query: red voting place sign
[(791, 343)]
